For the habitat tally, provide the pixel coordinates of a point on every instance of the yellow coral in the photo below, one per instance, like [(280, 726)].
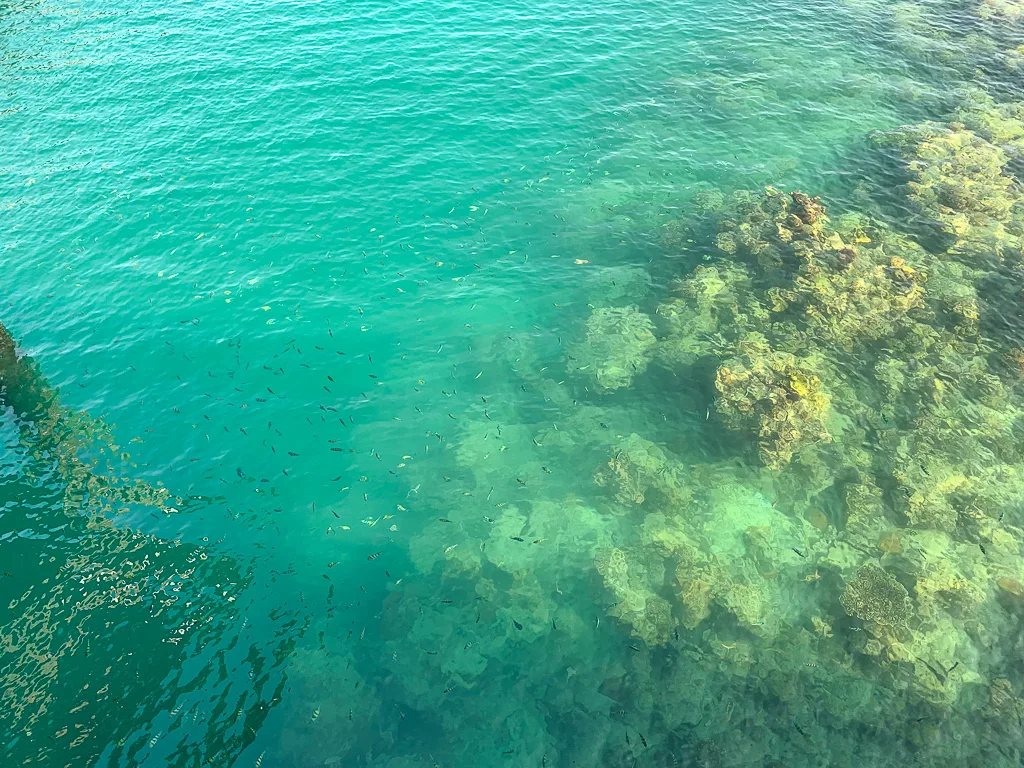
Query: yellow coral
[(769, 394)]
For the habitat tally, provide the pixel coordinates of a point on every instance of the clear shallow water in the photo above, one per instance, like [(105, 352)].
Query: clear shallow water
[(323, 272)]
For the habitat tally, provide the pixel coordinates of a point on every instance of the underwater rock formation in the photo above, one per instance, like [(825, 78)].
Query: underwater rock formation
[(81, 447), (855, 359), (22, 386), (1004, 11), (163, 596), (629, 581), (638, 465), (851, 551), (7, 355), (777, 398), (708, 312), (616, 348), (958, 178)]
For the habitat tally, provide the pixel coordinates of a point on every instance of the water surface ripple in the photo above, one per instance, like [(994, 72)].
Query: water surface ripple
[(323, 442)]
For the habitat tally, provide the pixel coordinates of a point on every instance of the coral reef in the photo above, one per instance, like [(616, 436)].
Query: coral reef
[(617, 346), (885, 406), (769, 512), (958, 179), (1006, 11), (875, 596), (638, 465), (629, 580), (708, 312), (776, 397)]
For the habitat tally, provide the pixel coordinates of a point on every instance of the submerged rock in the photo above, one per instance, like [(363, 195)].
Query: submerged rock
[(618, 345), (777, 398)]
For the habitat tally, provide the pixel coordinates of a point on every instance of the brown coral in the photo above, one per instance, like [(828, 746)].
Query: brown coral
[(875, 596), (771, 394)]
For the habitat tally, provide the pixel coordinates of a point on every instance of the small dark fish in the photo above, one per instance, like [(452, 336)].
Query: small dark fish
[(521, 482), (449, 689), (941, 678), (517, 625), (292, 453), (516, 538), (443, 520), (630, 645), (798, 552), (642, 739), (374, 556)]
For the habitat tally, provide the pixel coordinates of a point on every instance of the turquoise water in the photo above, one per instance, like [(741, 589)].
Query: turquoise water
[(310, 459)]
